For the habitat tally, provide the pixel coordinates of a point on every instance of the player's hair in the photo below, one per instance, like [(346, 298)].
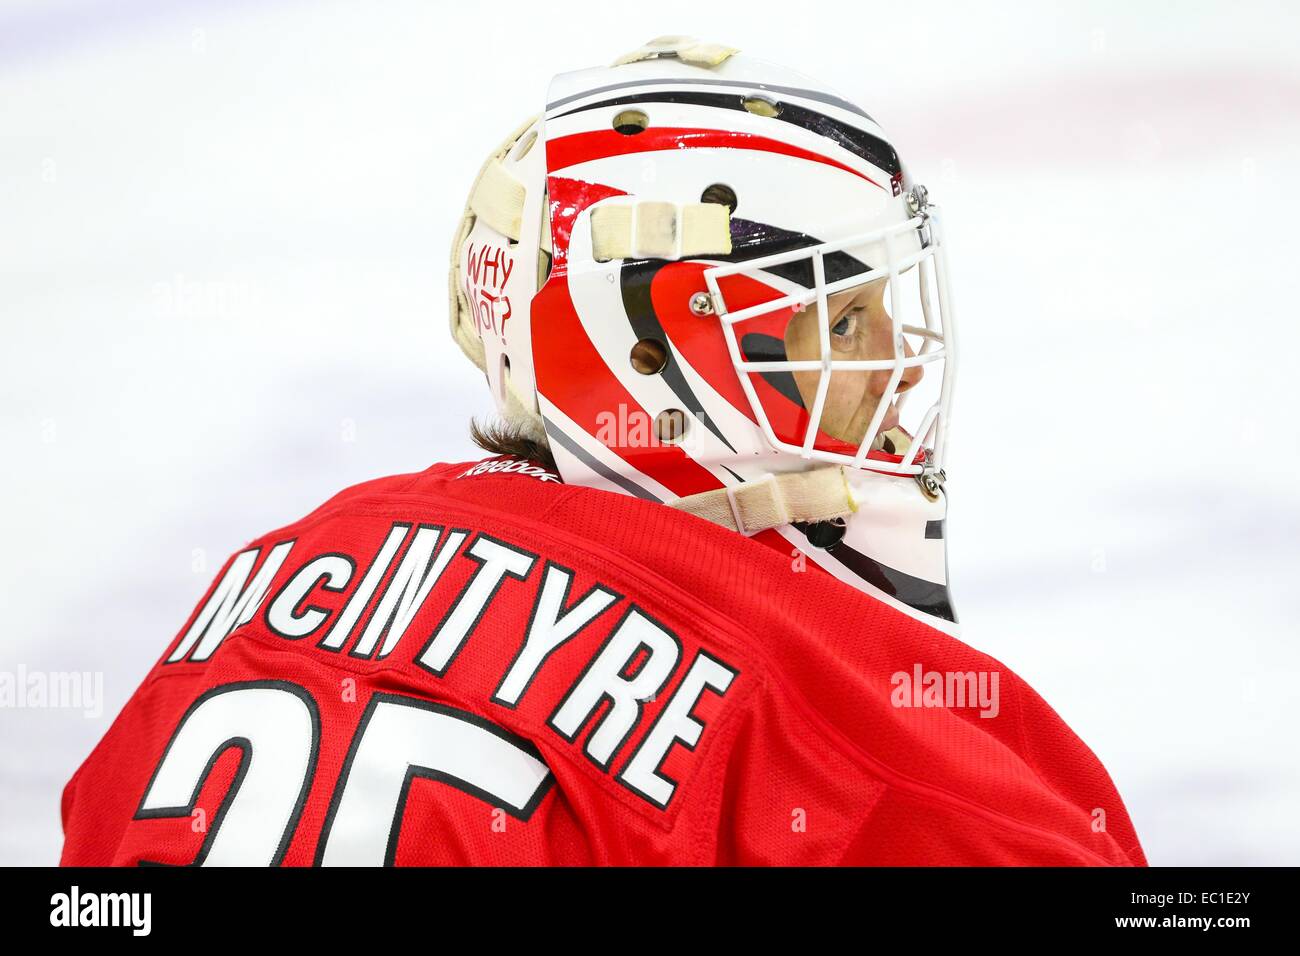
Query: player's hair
[(503, 438)]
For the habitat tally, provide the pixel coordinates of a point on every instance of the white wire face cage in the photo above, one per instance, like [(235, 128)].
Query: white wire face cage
[(913, 246)]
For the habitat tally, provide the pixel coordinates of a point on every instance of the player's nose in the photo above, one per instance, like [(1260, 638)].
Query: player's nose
[(911, 375)]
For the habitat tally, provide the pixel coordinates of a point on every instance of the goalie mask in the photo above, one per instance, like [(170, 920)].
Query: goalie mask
[(707, 281)]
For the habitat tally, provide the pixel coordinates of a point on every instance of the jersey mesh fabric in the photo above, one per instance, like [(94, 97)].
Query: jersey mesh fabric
[(803, 759)]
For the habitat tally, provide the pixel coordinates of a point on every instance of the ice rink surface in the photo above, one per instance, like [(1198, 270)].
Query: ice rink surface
[(223, 241)]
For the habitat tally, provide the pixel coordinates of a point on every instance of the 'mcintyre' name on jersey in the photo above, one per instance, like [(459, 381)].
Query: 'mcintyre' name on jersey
[(632, 666)]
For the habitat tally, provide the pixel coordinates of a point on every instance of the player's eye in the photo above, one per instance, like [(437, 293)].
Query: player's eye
[(846, 326)]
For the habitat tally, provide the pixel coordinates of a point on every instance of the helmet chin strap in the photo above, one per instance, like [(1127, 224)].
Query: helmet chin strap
[(894, 548), (774, 500)]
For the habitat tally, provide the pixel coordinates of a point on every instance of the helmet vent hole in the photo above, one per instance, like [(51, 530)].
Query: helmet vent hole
[(721, 194), (631, 122), (649, 356), (503, 377), (670, 425), (762, 106)]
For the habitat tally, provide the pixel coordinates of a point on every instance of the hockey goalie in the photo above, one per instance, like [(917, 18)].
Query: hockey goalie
[(693, 609)]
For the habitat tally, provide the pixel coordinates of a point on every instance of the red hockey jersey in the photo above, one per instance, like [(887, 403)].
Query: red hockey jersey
[(478, 664)]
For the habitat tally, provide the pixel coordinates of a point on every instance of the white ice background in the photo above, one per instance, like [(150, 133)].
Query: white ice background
[(223, 240)]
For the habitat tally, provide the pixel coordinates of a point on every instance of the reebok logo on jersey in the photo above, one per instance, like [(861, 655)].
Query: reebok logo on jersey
[(513, 466)]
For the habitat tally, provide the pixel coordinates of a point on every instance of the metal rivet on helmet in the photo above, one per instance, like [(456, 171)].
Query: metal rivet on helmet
[(702, 303), (918, 197)]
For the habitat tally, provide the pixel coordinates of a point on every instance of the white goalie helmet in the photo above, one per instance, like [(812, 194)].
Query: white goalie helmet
[(706, 280)]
